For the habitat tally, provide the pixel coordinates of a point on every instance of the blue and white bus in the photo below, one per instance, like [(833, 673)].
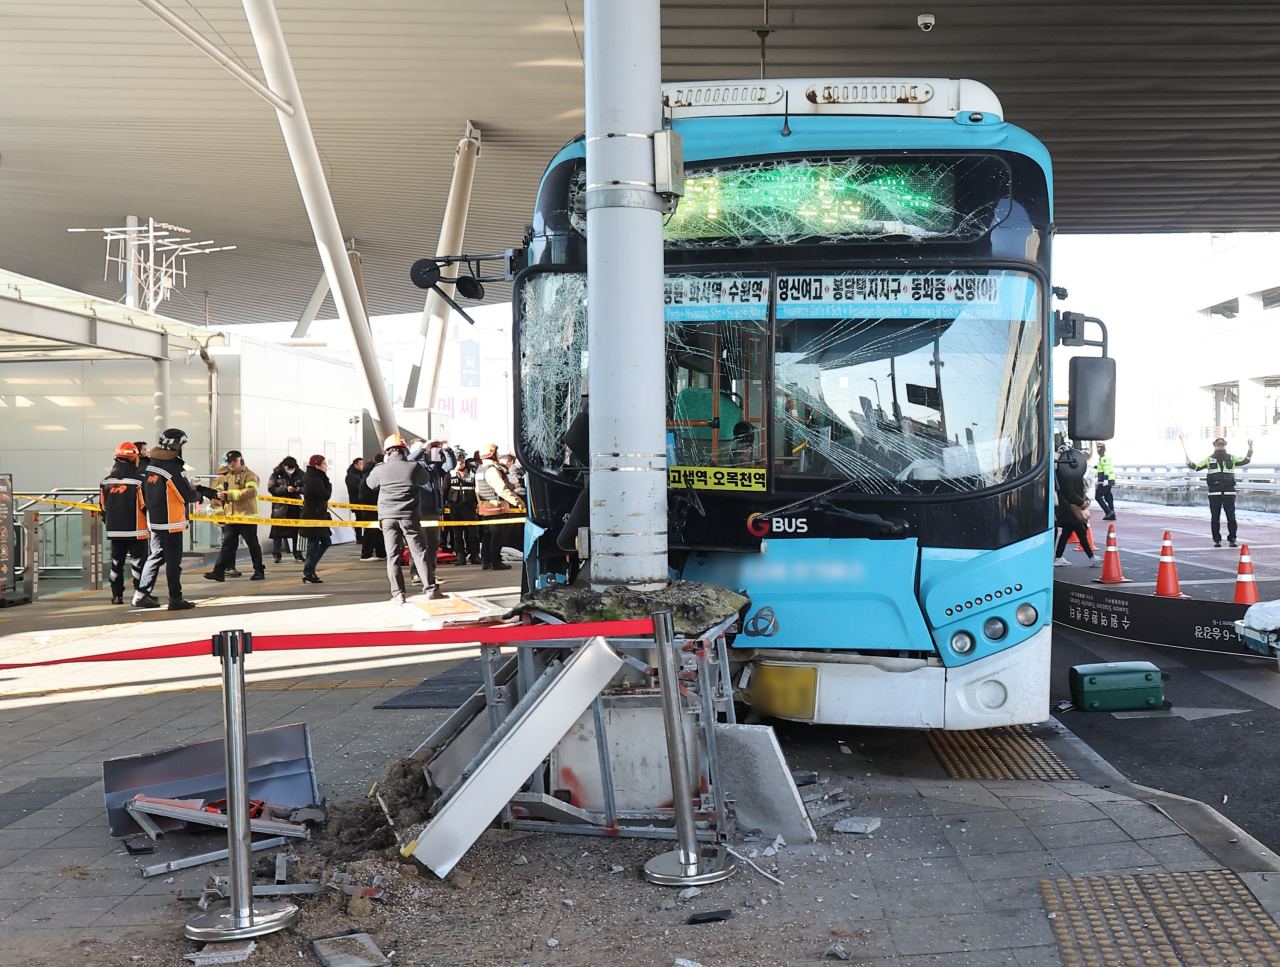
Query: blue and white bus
[(858, 410)]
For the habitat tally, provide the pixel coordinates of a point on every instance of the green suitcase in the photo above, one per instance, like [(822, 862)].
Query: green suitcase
[(1117, 686)]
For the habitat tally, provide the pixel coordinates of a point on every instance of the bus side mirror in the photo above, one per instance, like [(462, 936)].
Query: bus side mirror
[(1091, 412)]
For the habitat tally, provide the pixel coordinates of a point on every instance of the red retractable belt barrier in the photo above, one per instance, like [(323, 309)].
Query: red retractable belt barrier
[(461, 635)]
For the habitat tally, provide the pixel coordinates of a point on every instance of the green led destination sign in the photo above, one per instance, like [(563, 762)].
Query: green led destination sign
[(780, 201)]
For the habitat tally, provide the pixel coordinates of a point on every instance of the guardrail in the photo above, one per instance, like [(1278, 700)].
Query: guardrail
[(1255, 477)]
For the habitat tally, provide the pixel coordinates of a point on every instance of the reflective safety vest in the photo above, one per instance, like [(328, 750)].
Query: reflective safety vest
[(1106, 472), (120, 497), (1221, 479)]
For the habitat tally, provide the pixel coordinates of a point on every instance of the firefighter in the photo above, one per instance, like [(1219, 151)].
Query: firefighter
[(237, 488), (1222, 487), (166, 493), (125, 518), (1102, 489)]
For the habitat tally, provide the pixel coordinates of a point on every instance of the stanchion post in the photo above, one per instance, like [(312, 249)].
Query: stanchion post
[(683, 866), (242, 918)]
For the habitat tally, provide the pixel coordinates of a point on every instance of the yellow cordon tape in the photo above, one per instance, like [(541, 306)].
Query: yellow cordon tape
[(60, 503), (294, 501), (293, 521), (288, 522)]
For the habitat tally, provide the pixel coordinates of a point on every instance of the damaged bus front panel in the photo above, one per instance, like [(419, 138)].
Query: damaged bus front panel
[(858, 338)]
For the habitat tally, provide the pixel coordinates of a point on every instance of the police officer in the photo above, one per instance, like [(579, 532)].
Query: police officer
[(1222, 487), (166, 493), (125, 518), (1102, 489)]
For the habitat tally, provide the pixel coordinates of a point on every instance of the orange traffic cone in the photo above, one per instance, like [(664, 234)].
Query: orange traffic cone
[(1111, 573), (1167, 576), (1076, 541), (1246, 587)]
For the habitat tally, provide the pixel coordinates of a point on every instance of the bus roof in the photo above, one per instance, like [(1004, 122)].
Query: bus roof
[(932, 97)]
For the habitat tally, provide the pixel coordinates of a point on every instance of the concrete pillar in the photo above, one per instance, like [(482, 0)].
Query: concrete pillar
[(625, 338)]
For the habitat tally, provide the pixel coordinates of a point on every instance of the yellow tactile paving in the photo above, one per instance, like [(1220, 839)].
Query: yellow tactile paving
[(1010, 752), (1160, 920)]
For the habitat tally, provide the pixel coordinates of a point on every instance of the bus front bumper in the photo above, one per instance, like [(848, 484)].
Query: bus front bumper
[(1010, 687)]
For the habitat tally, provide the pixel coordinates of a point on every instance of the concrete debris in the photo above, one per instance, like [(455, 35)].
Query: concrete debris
[(667, 904), (616, 868), (858, 824), (821, 812), (818, 794), (139, 843), (835, 951), (567, 902), (804, 777), (352, 950), (553, 942), (688, 893), (779, 842), (694, 607), (846, 750), (682, 962), (221, 953), (434, 919), (756, 778), (520, 861)]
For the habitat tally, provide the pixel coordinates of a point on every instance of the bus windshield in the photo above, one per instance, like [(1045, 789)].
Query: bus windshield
[(907, 383)]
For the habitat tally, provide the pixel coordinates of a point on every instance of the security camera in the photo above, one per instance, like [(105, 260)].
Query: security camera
[(926, 21)]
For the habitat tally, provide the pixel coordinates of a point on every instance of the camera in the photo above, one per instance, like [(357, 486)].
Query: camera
[(926, 21)]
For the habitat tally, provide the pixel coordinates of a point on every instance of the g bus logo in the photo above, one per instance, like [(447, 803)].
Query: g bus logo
[(762, 526)]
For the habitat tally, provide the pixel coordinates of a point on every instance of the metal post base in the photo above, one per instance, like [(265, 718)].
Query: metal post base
[(268, 917), (714, 864)]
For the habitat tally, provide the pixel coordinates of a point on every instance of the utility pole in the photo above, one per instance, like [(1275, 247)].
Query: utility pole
[(625, 331)]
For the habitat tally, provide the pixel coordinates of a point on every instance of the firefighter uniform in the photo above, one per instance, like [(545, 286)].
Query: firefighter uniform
[(166, 493), (125, 518), (1222, 487)]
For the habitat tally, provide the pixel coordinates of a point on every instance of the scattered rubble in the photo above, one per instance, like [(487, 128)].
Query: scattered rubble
[(221, 953), (694, 607), (351, 950), (858, 824)]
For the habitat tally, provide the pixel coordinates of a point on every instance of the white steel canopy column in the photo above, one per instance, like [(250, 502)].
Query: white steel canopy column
[(435, 314), (268, 37), (625, 335)]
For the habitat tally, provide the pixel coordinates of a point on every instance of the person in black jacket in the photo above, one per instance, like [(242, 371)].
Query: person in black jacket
[(371, 544), (316, 491), (285, 481), (398, 482), (355, 474), (464, 541), (1072, 511), (437, 460), (125, 517)]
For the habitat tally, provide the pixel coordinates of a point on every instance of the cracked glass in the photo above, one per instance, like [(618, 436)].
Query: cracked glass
[(553, 362), (774, 202), (923, 382)]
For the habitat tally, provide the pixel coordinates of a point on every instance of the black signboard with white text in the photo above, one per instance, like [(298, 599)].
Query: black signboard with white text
[(1181, 622)]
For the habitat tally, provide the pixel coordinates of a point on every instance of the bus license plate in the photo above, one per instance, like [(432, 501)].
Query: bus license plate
[(784, 690)]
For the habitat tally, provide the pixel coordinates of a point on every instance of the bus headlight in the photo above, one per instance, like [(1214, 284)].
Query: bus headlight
[(1027, 615), (962, 642), (994, 628)]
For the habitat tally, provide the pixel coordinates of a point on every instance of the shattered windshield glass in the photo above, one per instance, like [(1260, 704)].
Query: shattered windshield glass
[(553, 361), (781, 201), (908, 382), (717, 410)]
